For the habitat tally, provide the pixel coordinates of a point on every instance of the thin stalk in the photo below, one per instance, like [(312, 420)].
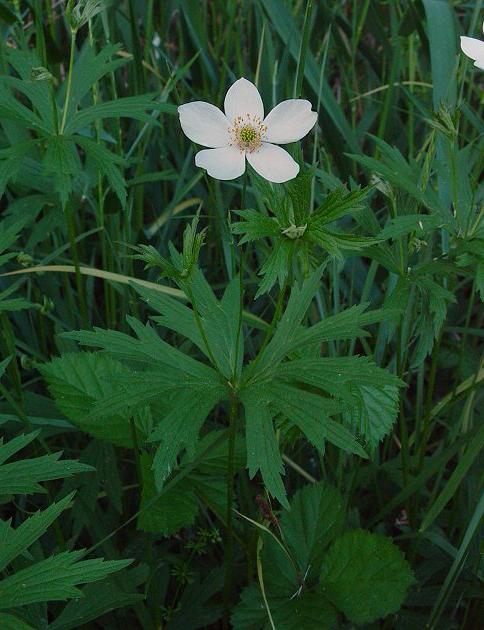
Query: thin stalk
[(428, 403), (69, 82), (200, 327), (71, 229), (229, 555)]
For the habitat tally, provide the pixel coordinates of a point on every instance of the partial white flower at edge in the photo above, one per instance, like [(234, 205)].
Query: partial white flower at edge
[(474, 48), (243, 132)]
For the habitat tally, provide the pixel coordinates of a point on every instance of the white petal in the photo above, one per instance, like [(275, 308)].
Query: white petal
[(290, 121), (243, 98), (273, 163), (205, 124), (473, 48), (224, 163)]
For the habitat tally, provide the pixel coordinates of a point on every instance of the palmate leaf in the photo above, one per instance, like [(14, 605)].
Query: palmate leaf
[(23, 476), (366, 576), (54, 579), (77, 381), (15, 541)]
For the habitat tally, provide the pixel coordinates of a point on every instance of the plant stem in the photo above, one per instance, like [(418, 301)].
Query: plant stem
[(71, 228), (69, 82), (229, 555)]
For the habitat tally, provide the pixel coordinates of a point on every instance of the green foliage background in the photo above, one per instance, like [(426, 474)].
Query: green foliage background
[(237, 404)]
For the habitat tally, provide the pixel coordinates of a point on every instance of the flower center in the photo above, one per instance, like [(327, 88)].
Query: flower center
[(247, 133)]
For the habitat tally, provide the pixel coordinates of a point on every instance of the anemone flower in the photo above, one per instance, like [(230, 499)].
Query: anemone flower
[(243, 132), (474, 48)]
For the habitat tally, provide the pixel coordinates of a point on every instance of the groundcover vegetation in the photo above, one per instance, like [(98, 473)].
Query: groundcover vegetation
[(241, 283)]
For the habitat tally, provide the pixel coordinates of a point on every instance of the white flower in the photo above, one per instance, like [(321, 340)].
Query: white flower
[(243, 132), (474, 48)]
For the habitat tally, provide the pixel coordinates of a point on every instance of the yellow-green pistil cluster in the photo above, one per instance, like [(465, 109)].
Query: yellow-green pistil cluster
[(247, 133)]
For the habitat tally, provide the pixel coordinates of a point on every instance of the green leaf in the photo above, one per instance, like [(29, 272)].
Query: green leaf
[(254, 226), (443, 53), (262, 447), (181, 426), (276, 266), (96, 600), (365, 576), (15, 541), (310, 413), (128, 107), (316, 517), (205, 483), (466, 460), (404, 175), (337, 204), (310, 610), (62, 162), (23, 476), (299, 190), (11, 160), (175, 509), (373, 413), (89, 68), (107, 163), (10, 622), (54, 579), (147, 350), (77, 381), (419, 224), (4, 365), (288, 327)]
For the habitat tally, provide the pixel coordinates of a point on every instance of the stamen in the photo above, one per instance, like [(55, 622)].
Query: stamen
[(247, 133)]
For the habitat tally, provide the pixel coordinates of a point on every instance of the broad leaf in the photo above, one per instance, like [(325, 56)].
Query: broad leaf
[(365, 576)]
